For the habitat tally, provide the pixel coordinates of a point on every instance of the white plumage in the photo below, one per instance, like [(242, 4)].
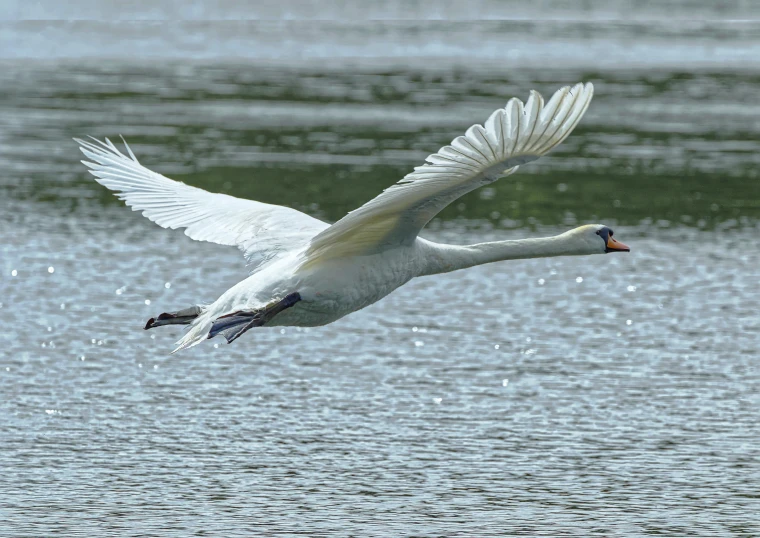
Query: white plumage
[(260, 230), (328, 271), (514, 135)]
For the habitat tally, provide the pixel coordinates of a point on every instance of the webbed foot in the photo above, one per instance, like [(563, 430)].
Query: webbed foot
[(232, 326), (180, 317)]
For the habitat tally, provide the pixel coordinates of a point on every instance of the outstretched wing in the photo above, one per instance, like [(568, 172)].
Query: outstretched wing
[(261, 231), (514, 135)]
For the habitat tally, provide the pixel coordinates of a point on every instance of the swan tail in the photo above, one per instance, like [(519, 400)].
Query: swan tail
[(197, 333)]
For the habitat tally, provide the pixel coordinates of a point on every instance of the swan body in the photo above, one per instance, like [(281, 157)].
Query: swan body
[(305, 272), (328, 291)]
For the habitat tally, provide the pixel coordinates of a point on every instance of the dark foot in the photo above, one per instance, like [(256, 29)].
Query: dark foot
[(180, 317), (232, 326)]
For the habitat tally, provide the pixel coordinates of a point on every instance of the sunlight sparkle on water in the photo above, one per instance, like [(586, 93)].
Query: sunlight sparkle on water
[(579, 279), (168, 285), (631, 288), (14, 273), (541, 281), (51, 269), (628, 322), (504, 382)]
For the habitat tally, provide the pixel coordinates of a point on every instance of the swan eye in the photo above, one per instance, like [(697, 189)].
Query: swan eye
[(611, 233), (599, 232)]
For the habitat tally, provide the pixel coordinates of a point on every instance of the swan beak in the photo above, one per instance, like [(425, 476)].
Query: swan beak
[(613, 245)]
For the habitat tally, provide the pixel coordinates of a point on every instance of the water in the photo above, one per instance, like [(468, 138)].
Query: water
[(602, 395)]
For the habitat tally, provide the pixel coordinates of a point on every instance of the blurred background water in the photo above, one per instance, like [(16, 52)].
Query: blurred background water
[(612, 395)]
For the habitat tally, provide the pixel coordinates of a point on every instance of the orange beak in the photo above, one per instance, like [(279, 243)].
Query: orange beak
[(613, 245)]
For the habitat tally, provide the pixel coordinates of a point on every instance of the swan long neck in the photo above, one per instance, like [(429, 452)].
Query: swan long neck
[(442, 258)]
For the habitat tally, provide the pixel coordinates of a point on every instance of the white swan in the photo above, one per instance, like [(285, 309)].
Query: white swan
[(309, 273)]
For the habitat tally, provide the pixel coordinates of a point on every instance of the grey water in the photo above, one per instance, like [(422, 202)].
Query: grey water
[(604, 395)]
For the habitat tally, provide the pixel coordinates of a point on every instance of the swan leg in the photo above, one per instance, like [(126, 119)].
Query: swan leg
[(180, 317), (232, 326)]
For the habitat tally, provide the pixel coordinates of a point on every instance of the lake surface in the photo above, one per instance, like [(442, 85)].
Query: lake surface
[(608, 395)]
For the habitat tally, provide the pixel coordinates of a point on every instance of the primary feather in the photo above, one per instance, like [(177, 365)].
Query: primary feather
[(261, 231), (513, 135)]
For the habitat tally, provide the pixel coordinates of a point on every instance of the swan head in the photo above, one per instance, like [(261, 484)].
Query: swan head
[(596, 239)]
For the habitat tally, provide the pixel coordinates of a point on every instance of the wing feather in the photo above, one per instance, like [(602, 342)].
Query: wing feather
[(261, 231), (512, 136)]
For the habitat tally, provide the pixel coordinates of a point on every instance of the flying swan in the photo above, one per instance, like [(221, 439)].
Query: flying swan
[(306, 272)]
